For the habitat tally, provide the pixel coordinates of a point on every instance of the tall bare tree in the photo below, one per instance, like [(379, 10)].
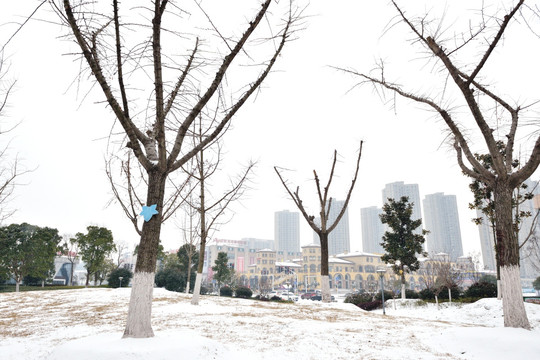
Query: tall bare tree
[(324, 228), (211, 209), (490, 112), (130, 51)]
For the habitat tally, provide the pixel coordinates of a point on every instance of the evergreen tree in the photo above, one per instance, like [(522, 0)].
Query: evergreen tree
[(222, 273), (28, 250), (536, 283), (114, 277), (400, 243), (94, 248)]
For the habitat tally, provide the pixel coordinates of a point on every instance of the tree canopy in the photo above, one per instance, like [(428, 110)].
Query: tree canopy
[(94, 247), (401, 244)]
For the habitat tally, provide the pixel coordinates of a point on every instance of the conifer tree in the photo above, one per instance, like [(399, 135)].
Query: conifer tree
[(221, 269), (400, 243)]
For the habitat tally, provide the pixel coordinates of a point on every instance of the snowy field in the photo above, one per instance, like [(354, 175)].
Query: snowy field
[(87, 324)]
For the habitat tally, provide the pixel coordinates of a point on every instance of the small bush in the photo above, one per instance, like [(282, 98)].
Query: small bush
[(481, 289), (170, 279), (387, 295), (358, 298), (426, 294), (204, 290), (275, 298), (371, 305), (456, 293), (225, 291), (243, 292), (410, 294)]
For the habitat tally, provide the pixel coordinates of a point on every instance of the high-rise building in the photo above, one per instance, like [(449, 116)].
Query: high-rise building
[(287, 231), (442, 221), (398, 189), (487, 243), (339, 239), (372, 230)]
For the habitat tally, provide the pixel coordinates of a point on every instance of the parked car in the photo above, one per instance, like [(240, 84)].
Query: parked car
[(319, 298), (308, 295)]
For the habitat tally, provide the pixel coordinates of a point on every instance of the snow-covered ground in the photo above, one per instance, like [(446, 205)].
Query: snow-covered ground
[(88, 324)]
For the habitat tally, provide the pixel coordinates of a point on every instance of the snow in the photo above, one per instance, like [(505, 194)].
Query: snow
[(88, 324)]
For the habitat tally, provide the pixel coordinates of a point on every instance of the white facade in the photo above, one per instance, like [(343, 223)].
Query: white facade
[(287, 231), (372, 230), (442, 221)]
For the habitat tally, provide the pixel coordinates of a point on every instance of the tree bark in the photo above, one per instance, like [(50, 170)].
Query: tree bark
[(403, 282), (508, 254), (138, 323), (325, 286), (197, 290)]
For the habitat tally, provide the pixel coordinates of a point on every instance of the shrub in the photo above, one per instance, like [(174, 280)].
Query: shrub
[(114, 277), (170, 279), (243, 292), (426, 294), (358, 298), (409, 294), (204, 290), (371, 305), (226, 291), (275, 298), (456, 293), (488, 278), (481, 289), (387, 295)]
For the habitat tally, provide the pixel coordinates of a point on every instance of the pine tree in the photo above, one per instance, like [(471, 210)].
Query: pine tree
[(400, 243), (221, 269)]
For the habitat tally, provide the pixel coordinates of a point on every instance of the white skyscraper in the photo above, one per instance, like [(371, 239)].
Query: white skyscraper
[(287, 231), (339, 239), (372, 230), (442, 221)]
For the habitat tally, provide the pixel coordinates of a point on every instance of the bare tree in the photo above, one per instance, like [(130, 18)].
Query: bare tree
[(156, 131), (489, 112), (324, 228), (190, 237), (211, 210)]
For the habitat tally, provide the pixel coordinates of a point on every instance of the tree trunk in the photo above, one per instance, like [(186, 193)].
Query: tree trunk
[(202, 247), (197, 289), (450, 295), (17, 285), (71, 275), (508, 253), (403, 287), (42, 283), (87, 278), (437, 301), (138, 323), (325, 286)]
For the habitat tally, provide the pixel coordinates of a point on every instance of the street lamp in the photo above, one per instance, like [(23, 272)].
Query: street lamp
[(381, 273), (120, 277)]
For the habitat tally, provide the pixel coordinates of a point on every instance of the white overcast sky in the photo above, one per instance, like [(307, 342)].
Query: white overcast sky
[(305, 110)]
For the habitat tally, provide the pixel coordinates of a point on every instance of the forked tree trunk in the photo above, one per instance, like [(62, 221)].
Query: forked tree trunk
[(508, 252), (140, 304), (325, 286)]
